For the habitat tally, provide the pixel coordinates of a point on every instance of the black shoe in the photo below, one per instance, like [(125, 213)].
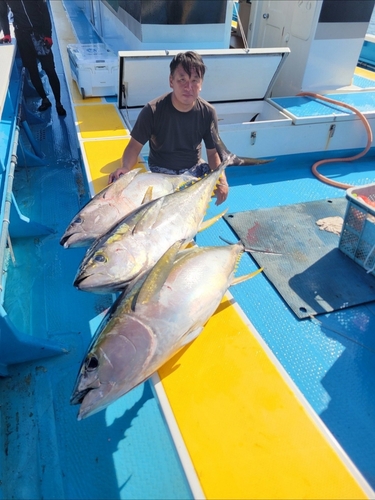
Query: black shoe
[(46, 103), (60, 110)]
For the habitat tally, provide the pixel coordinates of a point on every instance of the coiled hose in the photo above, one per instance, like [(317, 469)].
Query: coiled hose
[(365, 122)]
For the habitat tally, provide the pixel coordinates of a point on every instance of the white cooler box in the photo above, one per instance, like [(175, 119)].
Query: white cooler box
[(94, 68)]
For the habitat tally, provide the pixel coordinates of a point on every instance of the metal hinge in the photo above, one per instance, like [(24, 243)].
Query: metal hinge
[(332, 129), (253, 138)]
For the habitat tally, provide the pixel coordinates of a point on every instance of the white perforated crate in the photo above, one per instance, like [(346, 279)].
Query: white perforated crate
[(357, 238)]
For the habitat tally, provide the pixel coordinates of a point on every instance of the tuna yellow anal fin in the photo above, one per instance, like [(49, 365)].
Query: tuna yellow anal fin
[(241, 279), (160, 272), (148, 195), (211, 222)]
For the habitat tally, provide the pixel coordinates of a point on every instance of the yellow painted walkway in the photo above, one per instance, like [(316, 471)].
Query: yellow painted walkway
[(365, 73), (248, 431)]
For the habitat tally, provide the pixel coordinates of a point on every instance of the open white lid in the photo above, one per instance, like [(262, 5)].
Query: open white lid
[(231, 75)]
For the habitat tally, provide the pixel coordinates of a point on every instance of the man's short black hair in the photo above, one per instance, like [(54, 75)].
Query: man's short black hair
[(189, 60)]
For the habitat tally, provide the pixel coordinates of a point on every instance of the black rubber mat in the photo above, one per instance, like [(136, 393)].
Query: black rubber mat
[(304, 262)]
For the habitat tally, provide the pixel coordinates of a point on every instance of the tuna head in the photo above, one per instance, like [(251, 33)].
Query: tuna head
[(114, 365), (103, 271), (109, 265), (90, 224), (100, 213)]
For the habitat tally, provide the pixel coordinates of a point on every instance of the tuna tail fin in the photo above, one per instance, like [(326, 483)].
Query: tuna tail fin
[(226, 155)]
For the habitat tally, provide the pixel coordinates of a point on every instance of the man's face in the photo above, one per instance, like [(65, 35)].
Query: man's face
[(185, 89)]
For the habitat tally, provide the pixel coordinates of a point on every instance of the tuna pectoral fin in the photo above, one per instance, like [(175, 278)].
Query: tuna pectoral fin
[(211, 222), (241, 279), (158, 275), (148, 195), (124, 180), (189, 337), (149, 216)]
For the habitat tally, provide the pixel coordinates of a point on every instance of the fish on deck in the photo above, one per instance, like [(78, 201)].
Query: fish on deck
[(116, 201), (136, 243), (152, 320)]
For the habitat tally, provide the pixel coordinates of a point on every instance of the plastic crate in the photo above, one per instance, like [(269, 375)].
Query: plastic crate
[(357, 238)]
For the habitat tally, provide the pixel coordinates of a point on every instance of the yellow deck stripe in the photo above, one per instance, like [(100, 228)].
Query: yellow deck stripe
[(365, 73), (247, 433), (101, 120), (104, 157)]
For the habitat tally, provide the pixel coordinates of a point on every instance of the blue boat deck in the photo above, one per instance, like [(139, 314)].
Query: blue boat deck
[(127, 451)]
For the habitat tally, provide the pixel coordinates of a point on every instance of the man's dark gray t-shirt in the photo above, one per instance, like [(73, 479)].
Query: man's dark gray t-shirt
[(175, 137)]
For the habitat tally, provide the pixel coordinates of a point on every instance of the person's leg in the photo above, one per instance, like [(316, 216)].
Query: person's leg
[(199, 170), (48, 64), (30, 61), (162, 170)]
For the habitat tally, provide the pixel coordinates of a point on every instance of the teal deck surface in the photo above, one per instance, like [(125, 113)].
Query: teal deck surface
[(124, 452), (127, 451)]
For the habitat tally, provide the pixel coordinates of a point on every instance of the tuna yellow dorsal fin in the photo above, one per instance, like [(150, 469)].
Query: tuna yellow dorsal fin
[(148, 195), (245, 277), (211, 222), (160, 272)]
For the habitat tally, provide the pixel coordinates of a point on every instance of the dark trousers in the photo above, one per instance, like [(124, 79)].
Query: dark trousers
[(30, 60)]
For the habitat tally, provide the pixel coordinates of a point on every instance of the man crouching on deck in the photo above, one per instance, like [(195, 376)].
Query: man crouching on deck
[(175, 125)]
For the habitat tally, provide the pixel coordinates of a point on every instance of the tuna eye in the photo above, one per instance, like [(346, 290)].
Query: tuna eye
[(100, 258), (91, 363), (77, 220)]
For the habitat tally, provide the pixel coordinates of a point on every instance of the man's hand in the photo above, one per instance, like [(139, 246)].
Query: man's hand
[(6, 39), (116, 174), (221, 191)]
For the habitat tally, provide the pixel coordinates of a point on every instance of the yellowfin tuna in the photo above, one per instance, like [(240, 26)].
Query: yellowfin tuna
[(152, 320), (116, 201), (134, 245)]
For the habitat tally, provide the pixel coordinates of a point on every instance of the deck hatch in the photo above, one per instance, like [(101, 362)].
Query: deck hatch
[(232, 74)]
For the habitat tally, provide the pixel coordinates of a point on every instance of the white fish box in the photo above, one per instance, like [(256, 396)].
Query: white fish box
[(94, 68)]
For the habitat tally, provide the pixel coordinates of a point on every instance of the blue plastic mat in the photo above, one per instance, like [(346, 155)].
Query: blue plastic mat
[(303, 262)]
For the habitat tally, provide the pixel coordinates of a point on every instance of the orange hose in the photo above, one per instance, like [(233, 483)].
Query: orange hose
[(365, 122)]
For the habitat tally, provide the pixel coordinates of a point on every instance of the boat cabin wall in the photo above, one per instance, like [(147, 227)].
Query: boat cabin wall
[(161, 24), (325, 38)]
